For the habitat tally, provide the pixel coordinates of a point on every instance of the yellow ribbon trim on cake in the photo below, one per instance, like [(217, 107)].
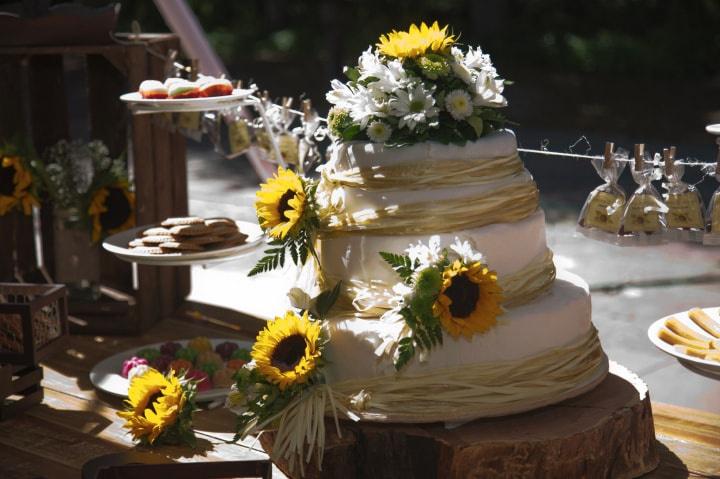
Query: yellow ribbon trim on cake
[(471, 391), (438, 173), (503, 205)]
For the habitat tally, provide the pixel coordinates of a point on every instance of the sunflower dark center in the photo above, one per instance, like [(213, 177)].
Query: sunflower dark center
[(151, 401), (288, 352), (7, 187), (464, 295), (118, 209), (284, 203)]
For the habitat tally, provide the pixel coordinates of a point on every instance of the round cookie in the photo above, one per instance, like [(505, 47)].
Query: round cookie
[(185, 220), (157, 231), (190, 230), (176, 246)]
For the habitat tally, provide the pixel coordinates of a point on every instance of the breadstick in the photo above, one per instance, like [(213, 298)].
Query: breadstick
[(679, 328), (701, 318), (699, 353), (672, 338)]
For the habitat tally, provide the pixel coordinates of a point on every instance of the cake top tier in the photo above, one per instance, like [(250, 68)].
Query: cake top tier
[(415, 86)]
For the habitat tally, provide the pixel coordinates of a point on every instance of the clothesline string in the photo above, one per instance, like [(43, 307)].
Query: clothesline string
[(600, 157)]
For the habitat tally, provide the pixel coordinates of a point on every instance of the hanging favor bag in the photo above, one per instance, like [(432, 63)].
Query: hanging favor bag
[(686, 212), (643, 221), (602, 213), (712, 225)]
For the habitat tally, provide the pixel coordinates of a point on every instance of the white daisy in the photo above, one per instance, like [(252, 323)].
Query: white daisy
[(365, 105), (425, 254), (341, 95), (465, 252), (414, 106), (379, 131), (459, 104)]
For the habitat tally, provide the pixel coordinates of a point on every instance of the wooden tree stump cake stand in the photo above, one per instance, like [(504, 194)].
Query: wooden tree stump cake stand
[(606, 432)]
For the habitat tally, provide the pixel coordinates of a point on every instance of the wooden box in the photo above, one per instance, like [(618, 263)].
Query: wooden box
[(33, 319), (72, 91), (19, 388)]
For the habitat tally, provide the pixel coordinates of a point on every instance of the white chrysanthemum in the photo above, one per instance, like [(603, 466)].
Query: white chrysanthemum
[(477, 60), (414, 106), (379, 131), (488, 91), (425, 254), (465, 252), (341, 95), (366, 105), (388, 77), (459, 104)]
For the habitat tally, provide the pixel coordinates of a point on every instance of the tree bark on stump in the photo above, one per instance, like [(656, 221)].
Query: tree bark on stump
[(606, 432)]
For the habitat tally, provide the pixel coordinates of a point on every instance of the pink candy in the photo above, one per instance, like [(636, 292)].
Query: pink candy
[(128, 364)]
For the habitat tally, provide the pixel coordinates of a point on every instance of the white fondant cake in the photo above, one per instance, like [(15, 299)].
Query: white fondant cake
[(374, 182)]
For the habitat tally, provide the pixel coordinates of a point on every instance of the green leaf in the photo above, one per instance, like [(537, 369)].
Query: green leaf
[(402, 265), (406, 350), (351, 73), (325, 300), (351, 132)]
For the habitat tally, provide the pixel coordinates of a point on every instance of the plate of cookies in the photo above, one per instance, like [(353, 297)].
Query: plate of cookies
[(692, 336), (185, 241)]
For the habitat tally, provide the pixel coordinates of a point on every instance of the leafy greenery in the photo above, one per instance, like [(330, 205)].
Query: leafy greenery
[(402, 265), (325, 301)]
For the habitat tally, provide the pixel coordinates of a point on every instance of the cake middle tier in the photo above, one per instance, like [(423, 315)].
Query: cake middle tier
[(508, 248)]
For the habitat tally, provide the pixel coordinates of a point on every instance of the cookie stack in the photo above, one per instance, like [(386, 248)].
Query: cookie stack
[(189, 235)]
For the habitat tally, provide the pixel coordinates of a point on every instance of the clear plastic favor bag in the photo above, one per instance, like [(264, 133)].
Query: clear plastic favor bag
[(643, 221), (686, 212), (602, 212)]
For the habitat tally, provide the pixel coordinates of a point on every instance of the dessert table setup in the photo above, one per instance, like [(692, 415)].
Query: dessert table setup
[(403, 315)]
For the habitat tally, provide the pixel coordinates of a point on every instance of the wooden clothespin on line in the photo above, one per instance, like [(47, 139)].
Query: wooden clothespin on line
[(639, 156), (608, 161), (669, 160), (307, 109), (194, 69)]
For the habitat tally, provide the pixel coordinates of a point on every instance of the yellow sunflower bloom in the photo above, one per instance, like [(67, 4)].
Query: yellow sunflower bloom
[(154, 402), (15, 184), (280, 203), (287, 351), (469, 299), (416, 41), (112, 210)]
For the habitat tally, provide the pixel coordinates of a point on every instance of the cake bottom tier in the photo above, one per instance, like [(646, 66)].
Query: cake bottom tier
[(539, 354)]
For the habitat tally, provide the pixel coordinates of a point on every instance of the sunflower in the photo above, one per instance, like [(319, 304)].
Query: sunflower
[(112, 209), (281, 203), (287, 351), (155, 402), (15, 186), (469, 299), (416, 41)]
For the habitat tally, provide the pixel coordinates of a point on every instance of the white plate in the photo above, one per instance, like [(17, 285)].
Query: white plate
[(705, 365), (117, 244), (106, 374), (138, 103)]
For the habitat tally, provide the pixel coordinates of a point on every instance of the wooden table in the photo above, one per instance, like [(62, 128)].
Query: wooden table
[(75, 423)]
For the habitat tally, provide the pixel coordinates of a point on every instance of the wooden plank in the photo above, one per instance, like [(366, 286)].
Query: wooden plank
[(17, 463)]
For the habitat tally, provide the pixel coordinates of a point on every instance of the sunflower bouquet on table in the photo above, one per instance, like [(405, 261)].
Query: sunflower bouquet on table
[(159, 409), (415, 86), (82, 179), (19, 183), (442, 290), (283, 387)]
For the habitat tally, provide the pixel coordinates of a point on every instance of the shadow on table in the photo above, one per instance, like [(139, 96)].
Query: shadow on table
[(87, 421), (670, 466)]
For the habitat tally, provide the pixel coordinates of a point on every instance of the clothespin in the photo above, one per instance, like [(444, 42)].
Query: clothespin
[(607, 162), (639, 156), (194, 69), (239, 84), (307, 109)]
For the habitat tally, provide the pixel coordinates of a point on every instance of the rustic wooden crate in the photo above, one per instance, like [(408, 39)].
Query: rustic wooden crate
[(34, 103), (33, 320), (19, 388)]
